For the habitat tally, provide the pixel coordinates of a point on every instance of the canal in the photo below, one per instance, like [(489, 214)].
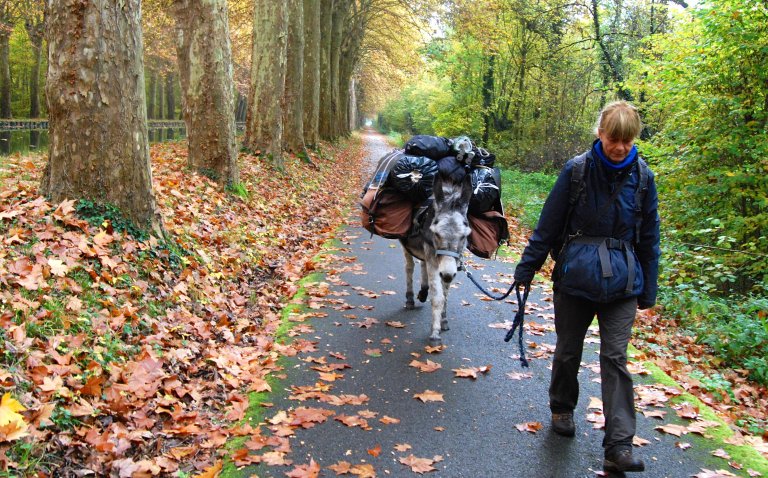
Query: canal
[(25, 141)]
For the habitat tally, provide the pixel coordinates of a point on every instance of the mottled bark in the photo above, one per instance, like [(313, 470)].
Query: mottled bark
[(339, 15), (311, 71), (264, 126), (293, 118), (96, 108), (207, 89), (326, 27)]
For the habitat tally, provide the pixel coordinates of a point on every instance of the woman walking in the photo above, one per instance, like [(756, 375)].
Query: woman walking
[(601, 225)]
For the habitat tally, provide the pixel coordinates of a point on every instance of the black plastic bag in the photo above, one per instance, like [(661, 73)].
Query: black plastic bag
[(432, 147), (449, 167), (486, 189), (413, 176)]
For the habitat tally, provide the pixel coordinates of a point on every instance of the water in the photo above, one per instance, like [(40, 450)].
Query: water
[(25, 141)]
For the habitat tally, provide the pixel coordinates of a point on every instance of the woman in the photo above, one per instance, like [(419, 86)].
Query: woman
[(601, 224)]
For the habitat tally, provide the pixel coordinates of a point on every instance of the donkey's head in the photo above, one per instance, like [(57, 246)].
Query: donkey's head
[(450, 227)]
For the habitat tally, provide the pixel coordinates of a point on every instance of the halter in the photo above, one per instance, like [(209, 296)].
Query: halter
[(445, 252)]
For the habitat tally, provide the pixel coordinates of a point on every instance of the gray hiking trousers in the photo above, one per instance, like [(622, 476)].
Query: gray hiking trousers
[(573, 315)]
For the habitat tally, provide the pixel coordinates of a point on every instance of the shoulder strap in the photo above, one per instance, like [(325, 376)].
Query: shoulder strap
[(577, 187), (640, 192), (577, 180)]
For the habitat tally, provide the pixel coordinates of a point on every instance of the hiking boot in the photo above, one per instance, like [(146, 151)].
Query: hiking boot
[(622, 460), (562, 424)]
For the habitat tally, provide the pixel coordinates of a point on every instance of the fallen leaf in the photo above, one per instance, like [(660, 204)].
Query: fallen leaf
[(429, 396), (530, 427), (418, 465)]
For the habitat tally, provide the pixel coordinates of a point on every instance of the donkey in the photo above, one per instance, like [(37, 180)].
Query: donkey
[(438, 240)]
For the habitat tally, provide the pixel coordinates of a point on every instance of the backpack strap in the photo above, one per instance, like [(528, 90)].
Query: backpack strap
[(578, 184), (640, 192)]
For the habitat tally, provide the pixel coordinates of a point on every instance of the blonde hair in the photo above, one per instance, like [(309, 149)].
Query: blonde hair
[(620, 121)]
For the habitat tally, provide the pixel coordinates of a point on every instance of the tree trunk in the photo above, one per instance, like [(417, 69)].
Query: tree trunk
[(312, 26), (207, 99), (339, 15), (352, 108), (264, 125), (488, 93), (170, 96), (293, 120), (35, 32), (160, 99), (326, 28), (151, 95), (5, 74), (97, 108)]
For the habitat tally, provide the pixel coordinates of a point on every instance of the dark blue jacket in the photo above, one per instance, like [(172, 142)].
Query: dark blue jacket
[(581, 272)]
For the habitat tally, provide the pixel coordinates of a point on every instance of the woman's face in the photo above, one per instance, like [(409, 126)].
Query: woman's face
[(615, 149)]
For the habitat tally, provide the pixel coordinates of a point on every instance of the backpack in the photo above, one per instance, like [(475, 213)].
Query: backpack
[(578, 186)]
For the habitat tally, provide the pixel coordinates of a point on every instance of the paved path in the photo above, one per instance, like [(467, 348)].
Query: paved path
[(473, 432)]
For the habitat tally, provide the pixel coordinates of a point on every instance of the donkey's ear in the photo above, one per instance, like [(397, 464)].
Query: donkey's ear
[(466, 189), (437, 188)]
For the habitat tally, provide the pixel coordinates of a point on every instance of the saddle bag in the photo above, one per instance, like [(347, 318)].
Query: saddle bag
[(386, 213), (488, 231)]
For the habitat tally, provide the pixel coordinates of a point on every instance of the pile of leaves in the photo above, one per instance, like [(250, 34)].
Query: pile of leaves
[(739, 400), (127, 355)]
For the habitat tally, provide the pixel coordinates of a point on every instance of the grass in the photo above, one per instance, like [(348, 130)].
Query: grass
[(523, 194), (745, 455)]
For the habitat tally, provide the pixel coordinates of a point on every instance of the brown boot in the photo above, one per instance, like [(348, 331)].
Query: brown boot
[(622, 460), (562, 424)]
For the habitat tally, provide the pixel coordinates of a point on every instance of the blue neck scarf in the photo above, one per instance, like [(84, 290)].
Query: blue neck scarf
[(597, 148)]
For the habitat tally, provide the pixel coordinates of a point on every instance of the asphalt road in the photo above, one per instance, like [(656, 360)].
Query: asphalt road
[(473, 432)]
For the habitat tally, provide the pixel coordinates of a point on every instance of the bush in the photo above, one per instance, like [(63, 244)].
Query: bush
[(735, 328)]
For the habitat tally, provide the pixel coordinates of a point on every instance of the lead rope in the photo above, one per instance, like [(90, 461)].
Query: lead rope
[(519, 316), (519, 319)]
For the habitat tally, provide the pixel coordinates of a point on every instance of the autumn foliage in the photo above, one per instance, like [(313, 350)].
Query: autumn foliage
[(134, 356)]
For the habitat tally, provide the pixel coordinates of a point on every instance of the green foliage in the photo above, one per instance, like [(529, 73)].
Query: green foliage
[(735, 328), (708, 100), (99, 215), (523, 194), (239, 190)]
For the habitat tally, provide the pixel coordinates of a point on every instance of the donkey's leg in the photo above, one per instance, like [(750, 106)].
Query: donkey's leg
[(444, 312), (438, 303), (424, 291), (409, 304)]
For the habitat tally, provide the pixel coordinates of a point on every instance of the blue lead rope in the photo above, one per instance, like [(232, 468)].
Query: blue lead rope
[(519, 319)]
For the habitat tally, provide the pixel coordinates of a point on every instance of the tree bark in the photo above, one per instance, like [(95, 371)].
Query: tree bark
[(293, 120), (97, 108), (151, 95), (339, 15), (35, 31), (326, 29), (312, 26), (205, 71), (170, 96), (264, 125)]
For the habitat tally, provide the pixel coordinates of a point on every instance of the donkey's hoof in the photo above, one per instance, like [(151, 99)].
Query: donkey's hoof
[(435, 342), (423, 293), (410, 305), (444, 325)]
